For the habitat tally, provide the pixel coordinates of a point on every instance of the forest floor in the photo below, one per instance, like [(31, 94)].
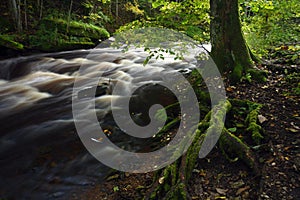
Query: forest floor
[(215, 177)]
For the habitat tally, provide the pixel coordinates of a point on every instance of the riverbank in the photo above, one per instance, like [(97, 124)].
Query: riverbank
[(52, 35)]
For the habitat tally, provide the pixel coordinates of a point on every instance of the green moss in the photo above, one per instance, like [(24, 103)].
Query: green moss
[(234, 145), (258, 75), (76, 28), (250, 113), (236, 74), (66, 46), (253, 127), (58, 34), (176, 175), (9, 42)]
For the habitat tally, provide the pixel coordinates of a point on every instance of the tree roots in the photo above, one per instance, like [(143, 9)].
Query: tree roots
[(171, 182)]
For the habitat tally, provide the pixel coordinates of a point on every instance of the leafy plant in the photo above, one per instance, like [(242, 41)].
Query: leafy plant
[(116, 188)]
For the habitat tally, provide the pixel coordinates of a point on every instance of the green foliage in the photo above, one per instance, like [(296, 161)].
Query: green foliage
[(56, 25), (153, 40), (116, 188), (257, 75), (134, 8), (232, 130), (247, 77), (245, 120), (8, 41), (95, 13), (58, 34), (76, 28), (159, 54), (190, 17), (137, 24), (287, 54), (266, 23), (270, 23)]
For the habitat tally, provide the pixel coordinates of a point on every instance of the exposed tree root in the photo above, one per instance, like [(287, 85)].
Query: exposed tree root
[(251, 119), (229, 143), (253, 127), (258, 75), (170, 182)]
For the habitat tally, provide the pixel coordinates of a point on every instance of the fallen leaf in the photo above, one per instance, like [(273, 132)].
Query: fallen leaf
[(113, 177), (217, 198), (202, 172), (221, 191), (287, 148), (232, 130), (230, 89), (292, 130), (261, 118), (286, 158), (241, 190), (237, 184), (295, 126), (161, 180)]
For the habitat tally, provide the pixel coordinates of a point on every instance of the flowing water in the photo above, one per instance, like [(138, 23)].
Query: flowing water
[(42, 156)]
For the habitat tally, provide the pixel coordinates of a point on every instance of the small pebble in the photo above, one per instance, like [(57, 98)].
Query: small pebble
[(58, 194)]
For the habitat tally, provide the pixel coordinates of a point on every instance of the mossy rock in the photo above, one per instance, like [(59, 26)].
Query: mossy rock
[(74, 28), (9, 43)]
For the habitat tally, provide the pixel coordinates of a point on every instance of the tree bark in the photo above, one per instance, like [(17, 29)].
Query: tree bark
[(229, 48), (16, 9)]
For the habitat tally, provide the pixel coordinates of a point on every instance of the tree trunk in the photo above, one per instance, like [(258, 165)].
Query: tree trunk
[(25, 14), (16, 9), (41, 9), (69, 15), (229, 49), (19, 21)]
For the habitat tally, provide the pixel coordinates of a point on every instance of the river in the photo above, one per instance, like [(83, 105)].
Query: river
[(42, 156)]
